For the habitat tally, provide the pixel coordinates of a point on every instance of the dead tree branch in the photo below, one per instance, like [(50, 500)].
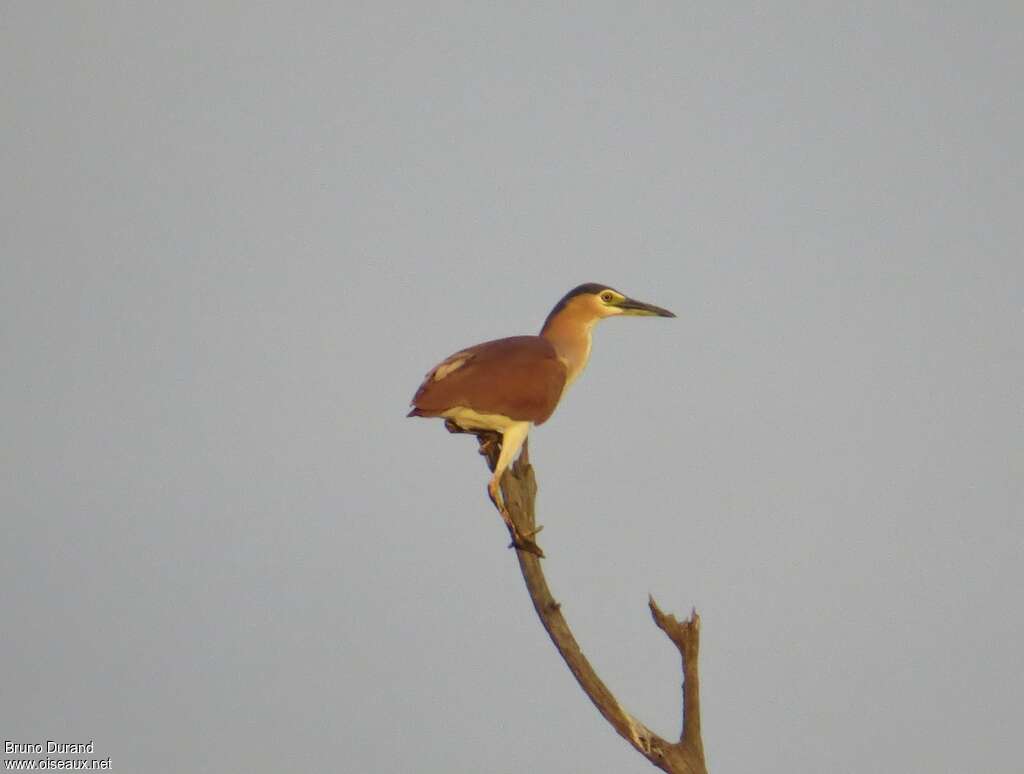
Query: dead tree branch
[(683, 757)]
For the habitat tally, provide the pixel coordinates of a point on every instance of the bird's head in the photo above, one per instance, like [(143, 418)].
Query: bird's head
[(588, 303)]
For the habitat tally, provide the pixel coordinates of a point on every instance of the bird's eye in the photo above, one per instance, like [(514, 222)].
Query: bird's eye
[(607, 297)]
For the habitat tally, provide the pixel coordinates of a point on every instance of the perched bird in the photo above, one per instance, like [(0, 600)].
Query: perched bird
[(509, 385)]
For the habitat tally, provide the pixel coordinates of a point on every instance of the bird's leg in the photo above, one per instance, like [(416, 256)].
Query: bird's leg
[(498, 450), (490, 447), (511, 441)]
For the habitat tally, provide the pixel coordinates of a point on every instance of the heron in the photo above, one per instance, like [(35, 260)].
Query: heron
[(506, 386)]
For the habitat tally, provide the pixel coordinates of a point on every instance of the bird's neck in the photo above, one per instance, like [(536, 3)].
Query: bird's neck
[(571, 340)]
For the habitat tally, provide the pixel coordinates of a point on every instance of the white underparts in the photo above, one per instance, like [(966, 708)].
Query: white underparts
[(468, 419), (513, 432)]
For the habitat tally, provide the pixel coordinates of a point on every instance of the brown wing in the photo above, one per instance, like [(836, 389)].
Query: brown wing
[(520, 377)]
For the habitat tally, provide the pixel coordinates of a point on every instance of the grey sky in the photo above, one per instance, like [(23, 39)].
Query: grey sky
[(234, 237)]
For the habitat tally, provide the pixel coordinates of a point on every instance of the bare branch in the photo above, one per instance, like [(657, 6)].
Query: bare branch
[(685, 756), (685, 635)]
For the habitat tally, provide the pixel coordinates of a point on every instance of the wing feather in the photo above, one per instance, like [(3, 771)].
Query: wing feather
[(519, 377)]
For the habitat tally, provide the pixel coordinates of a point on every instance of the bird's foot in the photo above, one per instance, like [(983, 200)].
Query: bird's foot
[(519, 540), (526, 542)]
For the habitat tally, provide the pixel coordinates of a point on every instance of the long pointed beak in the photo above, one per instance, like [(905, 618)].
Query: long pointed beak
[(636, 308)]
